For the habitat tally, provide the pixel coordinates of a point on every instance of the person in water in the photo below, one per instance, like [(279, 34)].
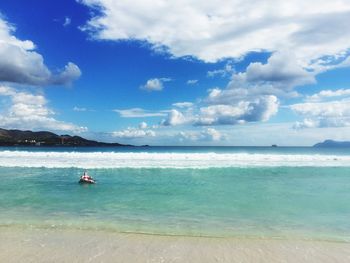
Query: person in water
[(85, 176)]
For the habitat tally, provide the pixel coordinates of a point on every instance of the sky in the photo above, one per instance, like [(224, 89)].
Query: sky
[(186, 72)]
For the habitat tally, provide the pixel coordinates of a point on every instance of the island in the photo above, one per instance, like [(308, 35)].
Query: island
[(46, 138), (331, 143)]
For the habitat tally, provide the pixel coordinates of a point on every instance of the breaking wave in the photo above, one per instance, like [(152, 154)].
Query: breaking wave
[(165, 160)]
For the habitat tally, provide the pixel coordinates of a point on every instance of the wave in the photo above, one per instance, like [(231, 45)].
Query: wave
[(165, 160)]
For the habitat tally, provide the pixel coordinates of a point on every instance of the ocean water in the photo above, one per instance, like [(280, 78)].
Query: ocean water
[(282, 192)]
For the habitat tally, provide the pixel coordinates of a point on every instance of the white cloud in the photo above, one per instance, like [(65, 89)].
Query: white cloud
[(192, 81), (209, 134), (323, 109), (219, 29), (21, 64), (250, 96), (328, 94), (30, 111), (253, 134), (224, 72), (183, 104), (79, 109), (139, 113), (256, 110), (306, 123), (281, 72), (70, 73), (133, 133), (222, 114), (323, 114), (175, 117), (323, 123), (215, 135), (156, 84)]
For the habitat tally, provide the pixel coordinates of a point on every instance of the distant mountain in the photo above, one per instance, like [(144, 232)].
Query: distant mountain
[(45, 138), (331, 143)]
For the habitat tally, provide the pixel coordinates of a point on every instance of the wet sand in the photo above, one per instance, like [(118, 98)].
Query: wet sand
[(52, 245)]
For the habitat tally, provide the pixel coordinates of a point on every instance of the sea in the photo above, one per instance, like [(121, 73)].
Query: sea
[(243, 192)]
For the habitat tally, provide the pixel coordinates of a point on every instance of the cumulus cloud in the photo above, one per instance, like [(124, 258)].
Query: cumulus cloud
[(281, 72), (176, 117), (323, 109), (323, 114), (215, 135), (222, 29), (70, 73), (250, 96), (238, 112), (328, 94), (30, 111), (20, 63), (139, 113), (259, 109), (156, 84), (133, 133), (209, 134), (224, 72)]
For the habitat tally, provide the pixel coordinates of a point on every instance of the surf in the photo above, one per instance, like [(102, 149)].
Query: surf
[(95, 160)]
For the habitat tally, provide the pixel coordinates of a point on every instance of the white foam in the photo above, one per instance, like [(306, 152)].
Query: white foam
[(164, 160)]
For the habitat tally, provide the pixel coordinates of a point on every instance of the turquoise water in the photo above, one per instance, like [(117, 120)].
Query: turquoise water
[(260, 201)]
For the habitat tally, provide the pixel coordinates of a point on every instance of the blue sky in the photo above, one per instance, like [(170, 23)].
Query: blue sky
[(186, 73)]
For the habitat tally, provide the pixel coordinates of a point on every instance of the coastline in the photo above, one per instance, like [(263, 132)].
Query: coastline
[(237, 207), (52, 245)]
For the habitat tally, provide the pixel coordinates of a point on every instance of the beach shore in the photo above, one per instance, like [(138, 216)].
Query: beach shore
[(53, 245)]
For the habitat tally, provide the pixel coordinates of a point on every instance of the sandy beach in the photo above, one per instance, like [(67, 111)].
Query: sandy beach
[(52, 245)]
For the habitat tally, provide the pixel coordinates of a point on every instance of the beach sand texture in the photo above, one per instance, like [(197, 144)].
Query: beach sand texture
[(52, 245)]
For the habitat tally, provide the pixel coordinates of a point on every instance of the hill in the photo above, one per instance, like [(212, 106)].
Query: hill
[(45, 138), (331, 143)]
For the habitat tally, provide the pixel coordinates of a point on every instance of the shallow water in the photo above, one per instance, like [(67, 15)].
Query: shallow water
[(256, 199)]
